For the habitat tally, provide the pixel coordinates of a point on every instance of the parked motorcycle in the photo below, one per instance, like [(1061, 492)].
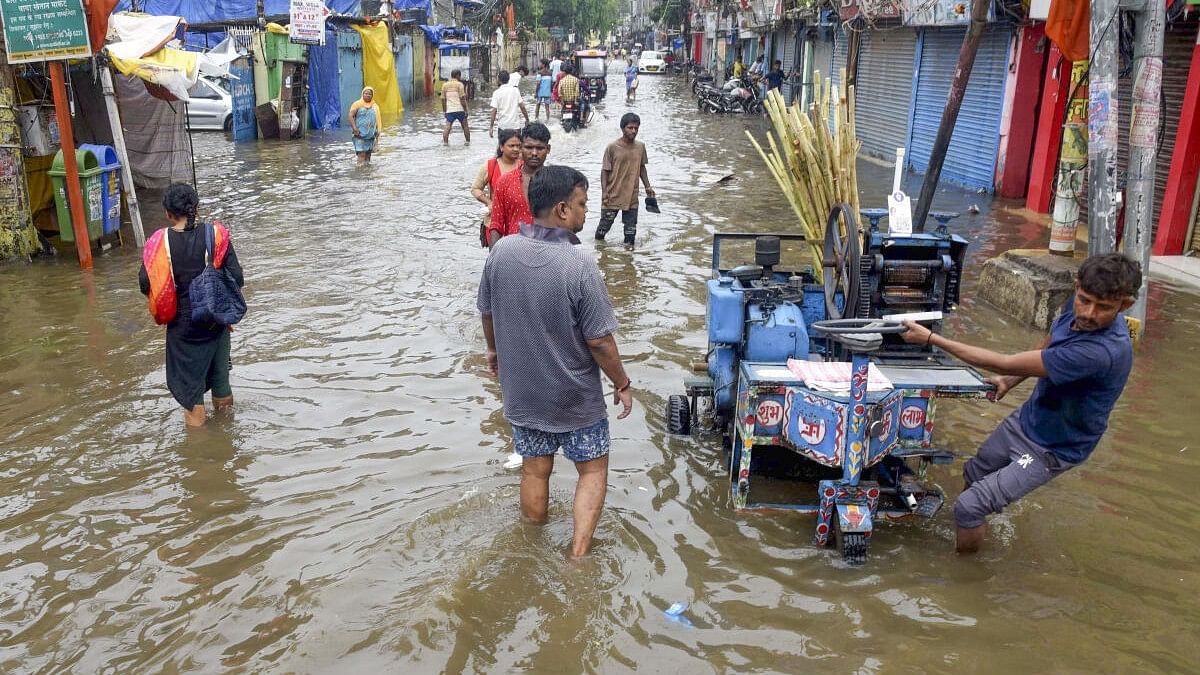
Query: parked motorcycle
[(700, 78), (738, 95)]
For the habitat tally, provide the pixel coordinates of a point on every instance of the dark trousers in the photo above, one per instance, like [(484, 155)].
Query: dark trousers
[(629, 219)]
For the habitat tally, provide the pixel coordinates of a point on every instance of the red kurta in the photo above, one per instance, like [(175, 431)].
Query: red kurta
[(510, 208)]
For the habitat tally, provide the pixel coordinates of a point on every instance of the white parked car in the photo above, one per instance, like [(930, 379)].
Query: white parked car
[(651, 62), (211, 107)]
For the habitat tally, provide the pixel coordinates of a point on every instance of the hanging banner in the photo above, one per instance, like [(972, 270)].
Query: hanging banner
[(307, 26), (44, 30)]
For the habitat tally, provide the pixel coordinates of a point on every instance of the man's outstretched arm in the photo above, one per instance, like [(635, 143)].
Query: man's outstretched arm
[(1023, 364)]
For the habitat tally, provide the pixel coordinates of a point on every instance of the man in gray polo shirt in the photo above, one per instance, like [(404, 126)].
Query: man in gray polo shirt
[(549, 326)]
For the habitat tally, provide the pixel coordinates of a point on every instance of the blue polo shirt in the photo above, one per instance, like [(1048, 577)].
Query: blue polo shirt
[(1085, 374)]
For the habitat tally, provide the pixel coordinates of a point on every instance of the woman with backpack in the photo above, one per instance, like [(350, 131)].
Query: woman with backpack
[(182, 267), (508, 157)]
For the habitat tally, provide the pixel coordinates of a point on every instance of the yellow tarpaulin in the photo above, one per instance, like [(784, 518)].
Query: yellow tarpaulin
[(379, 70), (173, 69)]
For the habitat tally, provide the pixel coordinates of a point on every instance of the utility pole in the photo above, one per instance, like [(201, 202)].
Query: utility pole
[(1103, 127), (1072, 161), (958, 89), (62, 110), (1143, 143)]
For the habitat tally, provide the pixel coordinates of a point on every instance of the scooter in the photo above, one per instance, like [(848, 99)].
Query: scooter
[(575, 115)]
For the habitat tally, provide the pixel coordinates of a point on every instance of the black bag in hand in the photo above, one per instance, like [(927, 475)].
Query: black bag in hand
[(215, 295)]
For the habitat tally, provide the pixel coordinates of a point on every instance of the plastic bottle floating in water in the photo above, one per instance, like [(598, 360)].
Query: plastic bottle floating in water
[(675, 613)]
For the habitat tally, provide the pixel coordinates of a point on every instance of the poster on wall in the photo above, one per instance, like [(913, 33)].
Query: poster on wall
[(307, 25), (871, 9), (50, 30)]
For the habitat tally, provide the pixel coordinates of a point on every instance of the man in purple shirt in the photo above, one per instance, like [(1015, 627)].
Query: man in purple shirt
[(549, 327), (1081, 367)]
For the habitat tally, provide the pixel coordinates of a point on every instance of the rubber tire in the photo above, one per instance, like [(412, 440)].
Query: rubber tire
[(227, 126), (679, 415), (755, 108), (852, 547)]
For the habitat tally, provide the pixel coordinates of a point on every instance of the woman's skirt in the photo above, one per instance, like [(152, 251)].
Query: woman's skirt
[(196, 367)]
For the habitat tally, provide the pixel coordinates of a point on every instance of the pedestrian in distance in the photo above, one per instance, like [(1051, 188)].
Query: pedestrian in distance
[(776, 76), (364, 125), (510, 202), (739, 68), (549, 326), (545, 83), (624, 165), (197, 353), (555, 66), (1081, 367), (507, 159), (455, 106), (631, 81), (508, 110), (757, 68)]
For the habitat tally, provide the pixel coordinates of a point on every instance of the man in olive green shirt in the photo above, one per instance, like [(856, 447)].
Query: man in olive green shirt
[(624, 164)]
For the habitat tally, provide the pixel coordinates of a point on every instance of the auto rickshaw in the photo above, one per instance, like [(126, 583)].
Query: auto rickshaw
[(591, 67)]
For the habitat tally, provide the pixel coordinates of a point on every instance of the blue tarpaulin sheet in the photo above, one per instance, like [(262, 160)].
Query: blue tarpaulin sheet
[(209, 11), (440, 33), (401, 5), (324, 99)]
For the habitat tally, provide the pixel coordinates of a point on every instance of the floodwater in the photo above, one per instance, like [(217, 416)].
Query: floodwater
[(354, 514)]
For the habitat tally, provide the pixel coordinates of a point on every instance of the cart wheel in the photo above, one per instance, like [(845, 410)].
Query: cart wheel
[(852, 546), (679, 415)]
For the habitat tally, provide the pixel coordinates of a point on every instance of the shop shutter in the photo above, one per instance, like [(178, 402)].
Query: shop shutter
[(821, 61), (883, 100), (841, 44), (971, 157), (789, 64), (1178, 43)]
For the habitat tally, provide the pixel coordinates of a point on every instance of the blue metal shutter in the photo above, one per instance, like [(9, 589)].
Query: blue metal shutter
[(841, 47), (971, 158), (884, 96)]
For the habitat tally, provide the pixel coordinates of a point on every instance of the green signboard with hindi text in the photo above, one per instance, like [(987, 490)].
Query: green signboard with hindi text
[(44, 30)]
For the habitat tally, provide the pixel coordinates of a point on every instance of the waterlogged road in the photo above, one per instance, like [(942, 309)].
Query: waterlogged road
[(354, 514)]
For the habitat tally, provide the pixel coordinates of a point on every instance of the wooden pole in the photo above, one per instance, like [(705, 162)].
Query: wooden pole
[(114, 120), (83, 244), (958, 90)]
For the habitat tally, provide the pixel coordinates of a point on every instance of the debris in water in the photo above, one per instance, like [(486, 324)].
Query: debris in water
[(514, 461), (725, 179), (675, 613)]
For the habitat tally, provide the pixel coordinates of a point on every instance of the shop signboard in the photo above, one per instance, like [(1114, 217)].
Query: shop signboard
[(44, 30), (872, 9), (245, 125), (307, 25), (941, 12)]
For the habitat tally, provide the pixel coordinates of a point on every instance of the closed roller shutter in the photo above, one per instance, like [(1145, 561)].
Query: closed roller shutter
[(841, 44), (884, 96), (789, 64), (971, 157), (1178, 43), (820, 61)]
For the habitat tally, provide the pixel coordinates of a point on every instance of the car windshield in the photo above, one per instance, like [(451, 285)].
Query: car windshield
[(591, 67), (651, 56)]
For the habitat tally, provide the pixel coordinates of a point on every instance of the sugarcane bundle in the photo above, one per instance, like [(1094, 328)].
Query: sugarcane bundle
[(813, 164)]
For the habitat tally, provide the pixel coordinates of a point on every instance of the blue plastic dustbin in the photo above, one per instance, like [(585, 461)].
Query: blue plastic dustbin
[(110, 178)]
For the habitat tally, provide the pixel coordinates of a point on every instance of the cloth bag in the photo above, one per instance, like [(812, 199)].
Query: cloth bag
[(215, 295)]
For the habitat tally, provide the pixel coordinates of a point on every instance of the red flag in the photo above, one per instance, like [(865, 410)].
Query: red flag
[(1067, 25), (97, 12)]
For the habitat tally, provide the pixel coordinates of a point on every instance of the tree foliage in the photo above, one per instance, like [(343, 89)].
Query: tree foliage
[(667, 13), (577, 16)]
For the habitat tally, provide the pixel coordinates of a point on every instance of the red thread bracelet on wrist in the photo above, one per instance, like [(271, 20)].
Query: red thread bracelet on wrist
[(628, 384)]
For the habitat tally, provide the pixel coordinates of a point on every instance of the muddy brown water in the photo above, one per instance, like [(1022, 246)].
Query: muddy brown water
[(354, 515)]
